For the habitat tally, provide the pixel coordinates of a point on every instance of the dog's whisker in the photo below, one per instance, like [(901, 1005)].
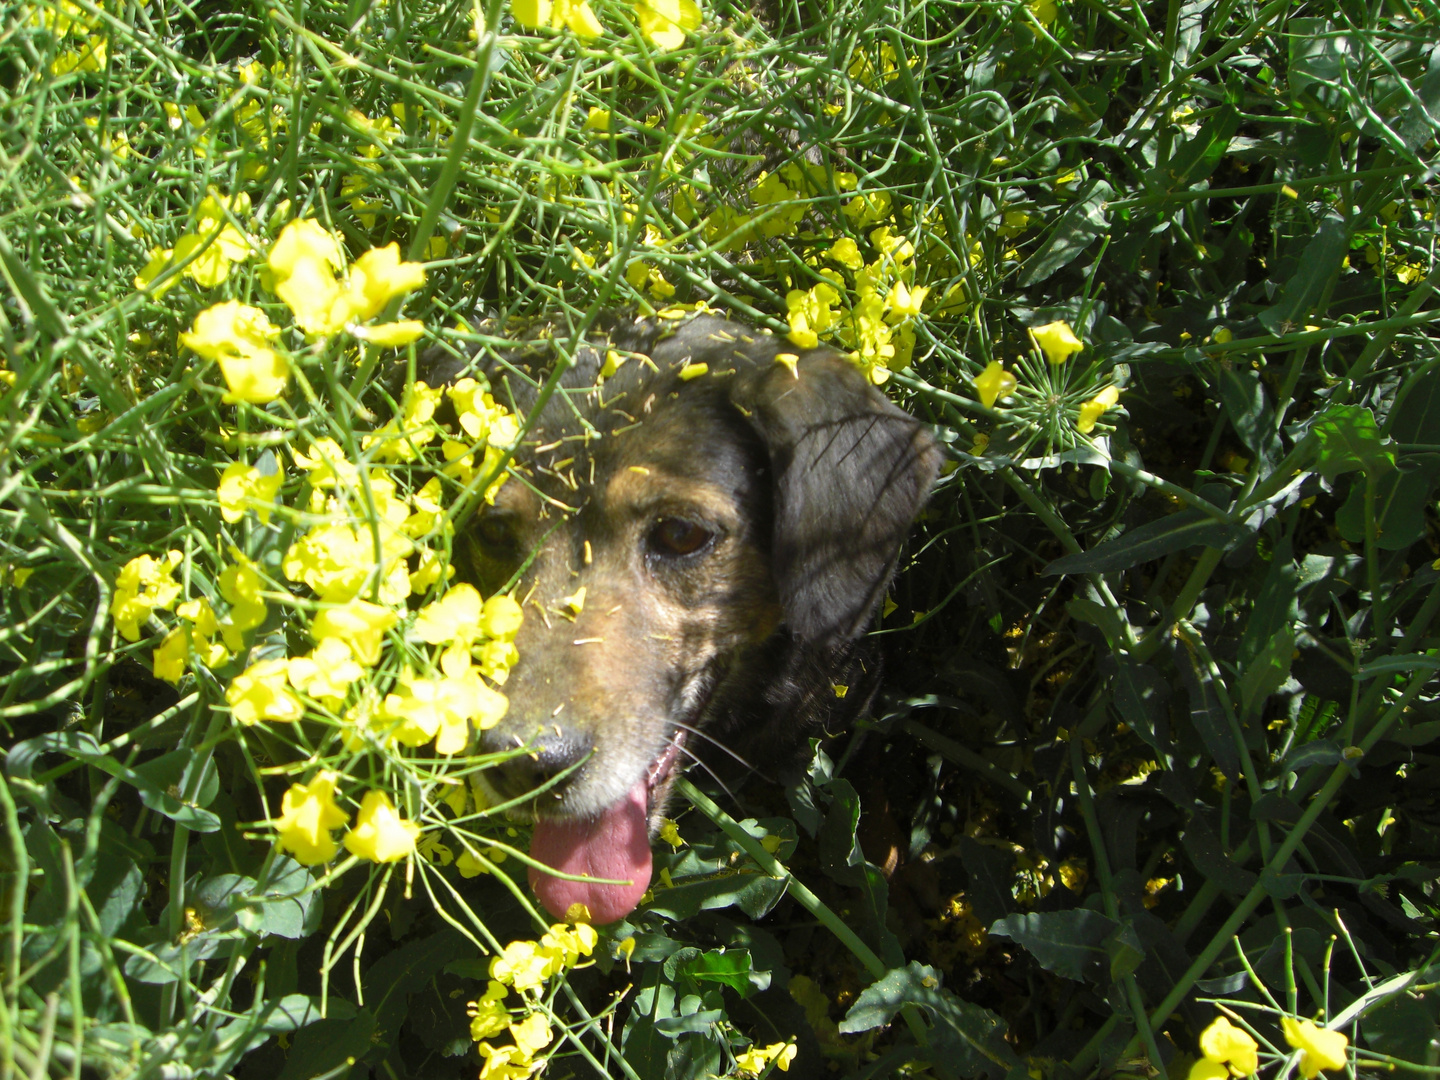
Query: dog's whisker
[(696, 759), (700, 733)]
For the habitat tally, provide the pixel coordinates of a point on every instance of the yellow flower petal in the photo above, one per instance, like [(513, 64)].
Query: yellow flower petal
[(380, 833), (1319, 1048), (1057, 341), (994, 383)]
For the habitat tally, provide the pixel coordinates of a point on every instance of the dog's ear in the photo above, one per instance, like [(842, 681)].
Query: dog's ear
[(850, 472)]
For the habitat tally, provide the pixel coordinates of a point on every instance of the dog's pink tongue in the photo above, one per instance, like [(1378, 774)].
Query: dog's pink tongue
[(614, 845)]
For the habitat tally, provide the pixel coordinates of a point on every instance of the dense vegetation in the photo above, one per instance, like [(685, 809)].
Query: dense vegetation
[(1157, 742)]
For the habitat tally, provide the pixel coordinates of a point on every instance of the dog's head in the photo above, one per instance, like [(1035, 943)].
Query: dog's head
[(665, 528)]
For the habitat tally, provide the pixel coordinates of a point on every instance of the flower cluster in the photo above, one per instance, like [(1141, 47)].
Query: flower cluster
[(1228, 1051), (664, 23), (306, 269), (325, 630), (525, 967), (752, 1062)]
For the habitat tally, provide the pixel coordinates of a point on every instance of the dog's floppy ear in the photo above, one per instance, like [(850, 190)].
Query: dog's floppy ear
[(850, 472)]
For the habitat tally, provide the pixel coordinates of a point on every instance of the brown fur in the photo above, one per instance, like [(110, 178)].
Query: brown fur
[(805, 482)]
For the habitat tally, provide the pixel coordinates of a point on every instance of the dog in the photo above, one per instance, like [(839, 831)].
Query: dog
[(699, 540)]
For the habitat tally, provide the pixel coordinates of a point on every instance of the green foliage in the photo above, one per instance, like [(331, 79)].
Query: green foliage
[(1161, 717)]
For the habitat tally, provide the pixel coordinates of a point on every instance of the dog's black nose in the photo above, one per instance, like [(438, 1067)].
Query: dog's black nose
[(547, 756)]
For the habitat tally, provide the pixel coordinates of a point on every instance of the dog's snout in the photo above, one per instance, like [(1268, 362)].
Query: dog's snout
[(548, 756)]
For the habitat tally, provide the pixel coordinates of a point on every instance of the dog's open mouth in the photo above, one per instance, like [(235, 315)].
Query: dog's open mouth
[(614, 845)]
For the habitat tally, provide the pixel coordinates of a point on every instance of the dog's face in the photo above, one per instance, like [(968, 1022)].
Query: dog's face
[(671, 535)]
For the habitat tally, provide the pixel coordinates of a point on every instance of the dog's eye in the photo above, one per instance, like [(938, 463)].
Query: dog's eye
[(679, 536), (493, 531)]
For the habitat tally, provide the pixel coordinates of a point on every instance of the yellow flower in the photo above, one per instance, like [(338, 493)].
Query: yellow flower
[(1095, 408), (169, 658), (327, 465), (205, 625), (532, 1034), (143, 586), (1221, 334), (665, 22), (488, 1016), (217, 242), (575, 14), (378, 277), (904, 302), (847, 253), (597, 119), (1225, 1044), (752, 1062), (670, 833), (243, 486), (504, 1063), (522, 965), (326, 674), (305, 259), (1319, 1048), (91, 57), (1057, 341), (237, 336), (159, 260), (994, 383), (307, 814), (359, 624), (1205, 1069), (380, 834), (565, 946), (260, 693), (239, 585)]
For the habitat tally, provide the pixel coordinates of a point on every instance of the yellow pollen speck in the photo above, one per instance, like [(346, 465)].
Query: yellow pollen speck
[(791, 361), (640, 469), (693, 371)]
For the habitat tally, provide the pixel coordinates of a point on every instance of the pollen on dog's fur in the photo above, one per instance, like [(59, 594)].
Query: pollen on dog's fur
[(572, 605), (791, 361), (693, 371)]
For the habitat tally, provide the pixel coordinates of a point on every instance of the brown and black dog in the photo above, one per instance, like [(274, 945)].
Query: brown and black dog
[(699, 540)]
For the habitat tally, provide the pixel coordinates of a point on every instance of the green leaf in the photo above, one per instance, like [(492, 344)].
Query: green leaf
[(1269, 669), (1088, 611), (1141, 694), (732, 968), (1320, 262), (1207, 715), (1349, 440), (1153, 540), (1069, 943), (325, 1047), (1272, 607), (1079, 226), (966, 1038), (281, 906), (1402, 497)]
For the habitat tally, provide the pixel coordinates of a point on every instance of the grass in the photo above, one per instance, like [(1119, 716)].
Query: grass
[(1157, 738)]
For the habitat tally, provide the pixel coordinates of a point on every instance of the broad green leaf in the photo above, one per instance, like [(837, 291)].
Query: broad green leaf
[(1153, 540), (1320, 262), (83, 747), (1088, 611), (325, 1047), (1207, 715), (1272, 607), (732, 968), (1267, 671), (1141, 694), (1084, 221), (1402, 497), (1349, 440), (1202, 845), (1069, 943), (965, 1038)]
